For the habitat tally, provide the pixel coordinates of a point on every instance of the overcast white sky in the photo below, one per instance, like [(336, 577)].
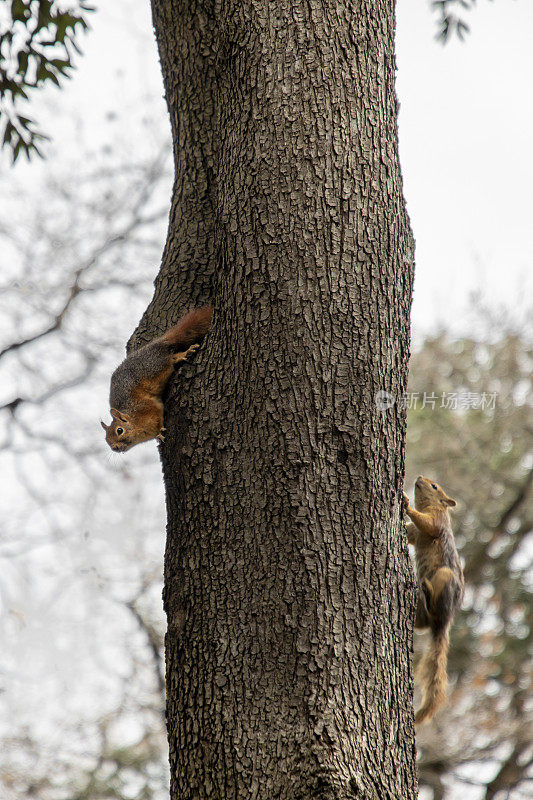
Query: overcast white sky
[(466, 128), (466, 133)]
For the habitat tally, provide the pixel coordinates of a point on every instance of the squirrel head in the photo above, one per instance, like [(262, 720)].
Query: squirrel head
[(429, 494), (121, 434)]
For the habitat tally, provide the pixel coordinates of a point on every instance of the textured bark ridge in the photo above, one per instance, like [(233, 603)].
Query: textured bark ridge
[(288, 589)]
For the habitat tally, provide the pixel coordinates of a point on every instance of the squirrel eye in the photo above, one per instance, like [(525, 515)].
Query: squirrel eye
[(120, 431), (433, 486)]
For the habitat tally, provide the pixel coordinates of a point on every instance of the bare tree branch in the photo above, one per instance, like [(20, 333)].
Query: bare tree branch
[(510, 773), (154, 641), (513, 507)]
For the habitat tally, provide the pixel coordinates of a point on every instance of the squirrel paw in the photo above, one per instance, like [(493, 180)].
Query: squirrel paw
[(192, 349), (161, 438), (405, 500), (177, 358)]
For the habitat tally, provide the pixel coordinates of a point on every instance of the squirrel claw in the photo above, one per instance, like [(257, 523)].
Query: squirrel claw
[(178, 358), (192, 349), (160, 438)]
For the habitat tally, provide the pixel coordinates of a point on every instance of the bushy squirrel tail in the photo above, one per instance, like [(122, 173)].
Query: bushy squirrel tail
[(433, 676), (191, 329)]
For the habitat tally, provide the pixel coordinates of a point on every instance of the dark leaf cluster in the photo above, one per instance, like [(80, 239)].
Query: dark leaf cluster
[(37, 44), (450, 23)]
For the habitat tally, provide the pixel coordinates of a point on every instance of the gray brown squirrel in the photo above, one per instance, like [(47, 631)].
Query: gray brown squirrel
[(138, 383), (440, 586)]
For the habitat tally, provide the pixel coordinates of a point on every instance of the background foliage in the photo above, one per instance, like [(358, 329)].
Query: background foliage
[(38, 39), (81, 544)]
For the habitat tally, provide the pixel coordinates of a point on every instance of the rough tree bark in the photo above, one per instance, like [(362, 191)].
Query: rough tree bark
[(288, 589)]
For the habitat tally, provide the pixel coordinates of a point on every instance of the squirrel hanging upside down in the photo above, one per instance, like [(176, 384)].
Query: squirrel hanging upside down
[(138, 383), (440, 586)]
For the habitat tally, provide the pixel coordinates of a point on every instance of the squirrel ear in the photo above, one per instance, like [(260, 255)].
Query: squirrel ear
[(104, 426), (119, 415)]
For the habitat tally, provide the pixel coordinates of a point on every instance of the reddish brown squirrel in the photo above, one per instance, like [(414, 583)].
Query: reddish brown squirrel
[(440, 586), (138, 383)]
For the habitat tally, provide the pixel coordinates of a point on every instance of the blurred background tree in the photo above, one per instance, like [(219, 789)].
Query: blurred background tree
[(470, 426), (81, 614)]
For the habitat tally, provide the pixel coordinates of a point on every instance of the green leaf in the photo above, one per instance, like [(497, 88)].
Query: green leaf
[(8, 133), (22, 58), (20, 11), (16, 149), (61, 64), (45, 17)]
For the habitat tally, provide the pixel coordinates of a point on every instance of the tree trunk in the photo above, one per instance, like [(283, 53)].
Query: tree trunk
[(288, 590)]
